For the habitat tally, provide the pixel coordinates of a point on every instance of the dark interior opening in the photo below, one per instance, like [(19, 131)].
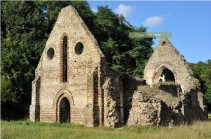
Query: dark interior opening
[(169, 76), (64, 70), (64, 111), (50, 53), (79, 48), (163, 43)]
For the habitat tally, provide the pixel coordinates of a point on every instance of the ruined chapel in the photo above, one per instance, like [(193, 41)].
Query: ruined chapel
[(73, 83)]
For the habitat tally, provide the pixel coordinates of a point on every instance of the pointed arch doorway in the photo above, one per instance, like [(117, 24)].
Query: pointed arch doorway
[(64, 111)]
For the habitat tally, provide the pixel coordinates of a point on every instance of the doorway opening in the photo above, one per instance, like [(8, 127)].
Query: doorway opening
[(166, 76), (64, 110)]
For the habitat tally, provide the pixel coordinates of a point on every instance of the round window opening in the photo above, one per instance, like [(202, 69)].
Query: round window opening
[(50, 53), (79, 48)]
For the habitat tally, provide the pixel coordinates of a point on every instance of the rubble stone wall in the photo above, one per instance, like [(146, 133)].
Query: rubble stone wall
[(130, 84), (152, 106), (113, 101)]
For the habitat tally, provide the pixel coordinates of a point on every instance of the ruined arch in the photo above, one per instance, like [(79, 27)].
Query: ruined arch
[(169, 76), (61, 96), (164, 73)]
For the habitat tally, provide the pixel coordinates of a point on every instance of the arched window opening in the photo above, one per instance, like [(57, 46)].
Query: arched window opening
[(64, 67), (64, 111), (167, 76)]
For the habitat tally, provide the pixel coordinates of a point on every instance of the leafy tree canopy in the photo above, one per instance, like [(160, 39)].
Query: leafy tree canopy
[(202, 71), (23, 37)]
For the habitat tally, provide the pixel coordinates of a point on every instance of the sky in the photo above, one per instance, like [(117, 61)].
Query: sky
[(189, 23)]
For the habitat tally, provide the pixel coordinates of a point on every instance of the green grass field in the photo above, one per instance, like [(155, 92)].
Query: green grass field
[(29, 130)]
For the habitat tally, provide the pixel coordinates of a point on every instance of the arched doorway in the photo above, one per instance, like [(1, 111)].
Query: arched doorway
[(64, 110), (166, 76)]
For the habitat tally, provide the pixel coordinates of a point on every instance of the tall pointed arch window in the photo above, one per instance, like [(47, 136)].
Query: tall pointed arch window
[(64, 59)]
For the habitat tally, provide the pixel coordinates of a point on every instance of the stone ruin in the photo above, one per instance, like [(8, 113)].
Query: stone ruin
[(73, 83)]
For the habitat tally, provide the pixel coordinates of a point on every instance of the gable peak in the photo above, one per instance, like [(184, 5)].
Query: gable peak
[(164, 41)]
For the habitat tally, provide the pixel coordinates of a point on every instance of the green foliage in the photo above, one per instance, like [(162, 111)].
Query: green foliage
[(22, 43), (26, 26), (51, 10), (203, 72), (208, 94), (122, 53), (196, 84)]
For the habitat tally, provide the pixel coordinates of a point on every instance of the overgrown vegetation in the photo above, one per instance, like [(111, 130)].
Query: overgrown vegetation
[(202, 70), (25, 130)]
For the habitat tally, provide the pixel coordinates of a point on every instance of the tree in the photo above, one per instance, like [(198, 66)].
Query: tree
[(122, 53), (23, 29), (51, 10), (202, 70)]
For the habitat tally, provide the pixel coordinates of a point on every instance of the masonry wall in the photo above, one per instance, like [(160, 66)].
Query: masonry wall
[(80, 68), (130, 84), (113, 100), (165, 55)]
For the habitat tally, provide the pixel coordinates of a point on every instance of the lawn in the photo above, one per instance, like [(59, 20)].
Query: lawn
[(29, 130)]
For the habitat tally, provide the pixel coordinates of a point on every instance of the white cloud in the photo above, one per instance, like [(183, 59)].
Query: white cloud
[(153, 21), (124, 9)]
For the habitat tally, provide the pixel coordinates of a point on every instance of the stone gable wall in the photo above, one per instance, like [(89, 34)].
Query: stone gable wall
[(166, 55), (80, 67)]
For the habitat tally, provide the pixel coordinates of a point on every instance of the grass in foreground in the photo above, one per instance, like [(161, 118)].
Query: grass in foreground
[(29, 130)]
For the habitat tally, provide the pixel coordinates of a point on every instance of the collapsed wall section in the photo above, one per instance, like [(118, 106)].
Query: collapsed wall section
[(113, 100), (154, 106), (130, 84)]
